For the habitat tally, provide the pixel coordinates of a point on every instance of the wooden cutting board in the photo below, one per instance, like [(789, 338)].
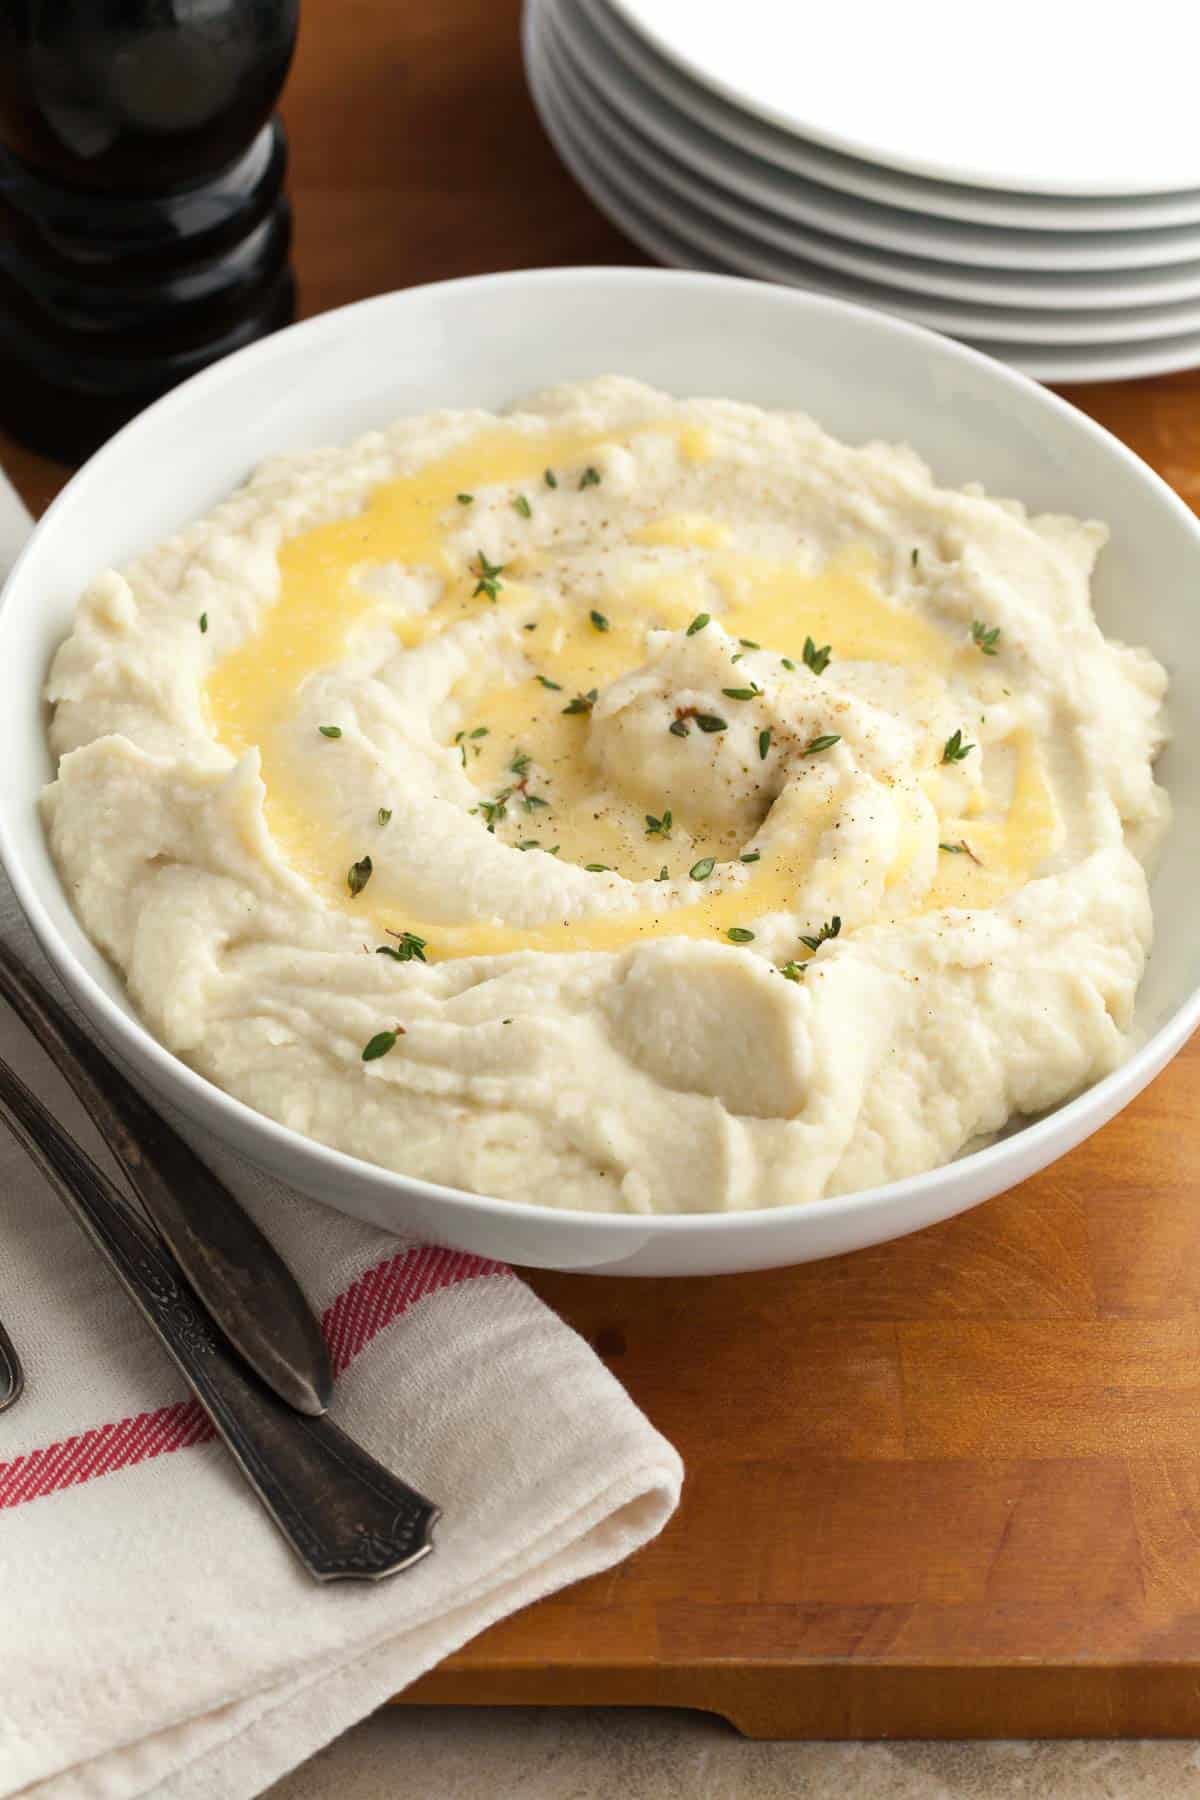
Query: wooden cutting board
[(948, 1487)]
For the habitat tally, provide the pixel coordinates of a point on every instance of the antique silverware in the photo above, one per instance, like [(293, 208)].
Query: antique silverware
[(12, 1376), (344, 1515), (232, 1267)]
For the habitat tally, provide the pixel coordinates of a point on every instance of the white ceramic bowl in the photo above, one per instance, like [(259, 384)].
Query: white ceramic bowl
[(485, 342)]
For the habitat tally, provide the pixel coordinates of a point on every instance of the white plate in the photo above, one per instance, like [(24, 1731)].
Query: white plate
[(1059, 97), (984, 206), (624, 189), (987, 287), (867, 210), (484, 342)]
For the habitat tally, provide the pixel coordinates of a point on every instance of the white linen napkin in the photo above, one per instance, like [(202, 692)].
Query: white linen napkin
[(157, 1635)]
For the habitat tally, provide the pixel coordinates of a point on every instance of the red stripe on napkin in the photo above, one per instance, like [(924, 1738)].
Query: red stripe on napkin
[(357, 1315)]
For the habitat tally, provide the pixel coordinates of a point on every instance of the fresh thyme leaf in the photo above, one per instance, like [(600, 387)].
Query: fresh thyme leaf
[(464, 499), (522, 506), (703, 869), (750, 856), (598, 620), (550, 478), (955, 750), (830, 929), (493, 811), (529, 801), (520, 762), (984, 636), (916, 557), (479, 731), (359, 874), (825, 742), (816, 659), (409, 948), (529, 844), (532, 626), (764, 743), (658, 827), (747, 693), (554, 686), (678, 728), (590, 477), (792, 971), (711, 722), (737, 934), (583, 703), (662, 874), (489, 574), (203, 622), (749, 644), (698, 624), (598, 868), (554, 850), (384, 814), (330, 730), (954, 849), (380, 1044), (788, 664), (737, 656)]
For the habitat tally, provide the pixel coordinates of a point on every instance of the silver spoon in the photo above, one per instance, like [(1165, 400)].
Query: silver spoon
[(343, 1513)]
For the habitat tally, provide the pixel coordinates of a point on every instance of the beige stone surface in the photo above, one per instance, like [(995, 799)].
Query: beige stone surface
[(478, 1753)]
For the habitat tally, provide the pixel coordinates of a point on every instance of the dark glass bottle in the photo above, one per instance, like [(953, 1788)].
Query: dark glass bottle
[(143, 228)]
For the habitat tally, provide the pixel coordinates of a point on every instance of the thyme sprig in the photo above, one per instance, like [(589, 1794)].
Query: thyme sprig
[(962, 848), (408, 948), (830, 929), (488, 574), (709, 722)]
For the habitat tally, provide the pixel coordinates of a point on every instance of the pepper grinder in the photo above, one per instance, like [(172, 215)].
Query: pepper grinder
[(143, 227)]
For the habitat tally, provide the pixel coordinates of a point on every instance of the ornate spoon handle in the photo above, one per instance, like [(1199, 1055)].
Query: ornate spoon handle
[(343, 1514)]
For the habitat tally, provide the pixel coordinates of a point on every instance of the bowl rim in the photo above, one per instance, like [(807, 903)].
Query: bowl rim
[(137, 1043)]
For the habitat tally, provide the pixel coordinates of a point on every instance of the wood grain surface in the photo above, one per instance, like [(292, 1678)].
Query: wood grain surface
[(950, 1486)]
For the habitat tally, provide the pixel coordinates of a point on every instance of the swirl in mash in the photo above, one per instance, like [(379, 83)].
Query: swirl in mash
[(744, 817)]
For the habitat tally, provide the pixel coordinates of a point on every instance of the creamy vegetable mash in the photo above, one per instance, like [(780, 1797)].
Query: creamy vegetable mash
[(624, 803)]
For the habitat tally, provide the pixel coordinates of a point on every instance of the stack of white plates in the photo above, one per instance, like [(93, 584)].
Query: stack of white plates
[(1025, 179)]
